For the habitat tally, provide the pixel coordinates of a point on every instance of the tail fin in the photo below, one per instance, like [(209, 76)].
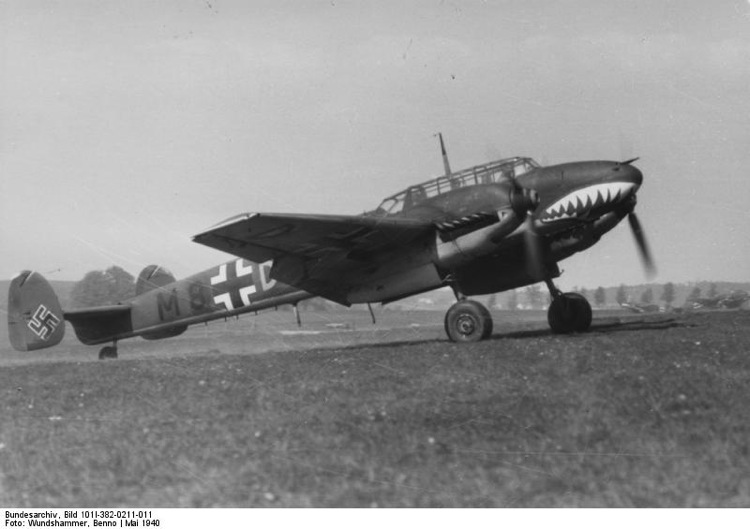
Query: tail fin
[(35, 318), (151, 277)]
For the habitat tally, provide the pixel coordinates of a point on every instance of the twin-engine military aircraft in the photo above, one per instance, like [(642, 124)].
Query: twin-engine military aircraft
[(486, 229), (733, 300)]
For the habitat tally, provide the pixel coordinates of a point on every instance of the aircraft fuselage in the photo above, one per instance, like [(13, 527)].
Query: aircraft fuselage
[(579, 202)]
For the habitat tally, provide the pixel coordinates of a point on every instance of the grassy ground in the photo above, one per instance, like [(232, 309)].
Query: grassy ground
[(644, 411)]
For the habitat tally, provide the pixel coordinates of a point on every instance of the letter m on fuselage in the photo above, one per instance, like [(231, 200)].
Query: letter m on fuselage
[(168, 306)]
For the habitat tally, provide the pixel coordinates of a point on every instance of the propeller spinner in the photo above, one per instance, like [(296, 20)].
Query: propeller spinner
[(524, 202)]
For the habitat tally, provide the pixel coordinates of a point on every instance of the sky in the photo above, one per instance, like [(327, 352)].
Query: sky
[(128, 127)]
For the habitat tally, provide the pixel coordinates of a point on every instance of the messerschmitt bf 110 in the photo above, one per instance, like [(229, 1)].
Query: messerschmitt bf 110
[(486, 229)]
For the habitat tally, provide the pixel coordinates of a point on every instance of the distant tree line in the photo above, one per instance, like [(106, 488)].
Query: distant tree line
[(621, 296), (600, 296), (103, 288), (647, 296), (668, 294)]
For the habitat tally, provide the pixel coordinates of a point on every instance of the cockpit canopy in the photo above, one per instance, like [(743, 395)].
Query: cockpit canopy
[(489, 173)]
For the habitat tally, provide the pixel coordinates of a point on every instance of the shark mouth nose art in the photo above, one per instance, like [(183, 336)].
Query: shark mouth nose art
[(587, 198)]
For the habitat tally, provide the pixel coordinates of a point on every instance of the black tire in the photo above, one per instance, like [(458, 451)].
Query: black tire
[(569, 312), (468, 321), (557, 316), (107, 352), (583, 311)]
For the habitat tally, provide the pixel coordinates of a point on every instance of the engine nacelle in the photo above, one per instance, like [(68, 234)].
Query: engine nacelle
[(463, 249), (491, 274)]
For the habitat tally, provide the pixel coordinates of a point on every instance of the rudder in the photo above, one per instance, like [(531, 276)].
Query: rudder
[(35, 318)]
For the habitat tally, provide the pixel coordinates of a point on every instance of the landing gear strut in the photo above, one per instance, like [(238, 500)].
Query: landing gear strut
[(568, 312), (468, 321), (108, 351)]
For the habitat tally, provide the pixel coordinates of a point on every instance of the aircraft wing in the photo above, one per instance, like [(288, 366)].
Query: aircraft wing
[(322, 254)]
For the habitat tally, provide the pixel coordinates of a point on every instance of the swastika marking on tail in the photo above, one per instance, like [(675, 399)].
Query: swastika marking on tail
[(43, 323)]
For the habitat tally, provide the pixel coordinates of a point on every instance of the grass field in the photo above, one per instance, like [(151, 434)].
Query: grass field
[(642, 411)]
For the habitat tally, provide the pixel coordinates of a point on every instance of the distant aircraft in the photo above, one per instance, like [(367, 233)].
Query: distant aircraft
[(734, 300), (640, 308), (485, 229)]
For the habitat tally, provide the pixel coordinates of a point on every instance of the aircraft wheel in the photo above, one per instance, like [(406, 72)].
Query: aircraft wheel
[(107, 352), (569, 312), (468, 321)]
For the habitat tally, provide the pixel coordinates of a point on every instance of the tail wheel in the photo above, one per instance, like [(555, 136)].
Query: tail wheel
[(468, 321), (569, 312), (108, 352)]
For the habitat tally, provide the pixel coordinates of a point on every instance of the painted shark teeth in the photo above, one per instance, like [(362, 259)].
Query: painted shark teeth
[(465, 221), (582, 200)]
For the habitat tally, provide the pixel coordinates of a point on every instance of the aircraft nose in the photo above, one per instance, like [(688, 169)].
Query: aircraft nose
[(628, 173), (592, 188)]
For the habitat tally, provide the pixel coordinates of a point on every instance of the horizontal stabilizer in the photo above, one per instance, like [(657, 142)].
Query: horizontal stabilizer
[(100, 324)]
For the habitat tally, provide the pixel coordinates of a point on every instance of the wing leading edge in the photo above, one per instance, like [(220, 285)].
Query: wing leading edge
[(326, 255)]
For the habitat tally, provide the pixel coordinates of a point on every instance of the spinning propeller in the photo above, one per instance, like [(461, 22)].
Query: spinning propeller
[(626, 151), (640, 237), (524, 202), (642, 245)]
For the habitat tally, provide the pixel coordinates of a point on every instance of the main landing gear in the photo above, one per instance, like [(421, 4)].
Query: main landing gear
[(470, 321), (568, 312), (108, 351)]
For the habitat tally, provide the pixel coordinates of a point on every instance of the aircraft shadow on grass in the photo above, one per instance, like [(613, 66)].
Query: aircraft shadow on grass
[(605, 326)]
